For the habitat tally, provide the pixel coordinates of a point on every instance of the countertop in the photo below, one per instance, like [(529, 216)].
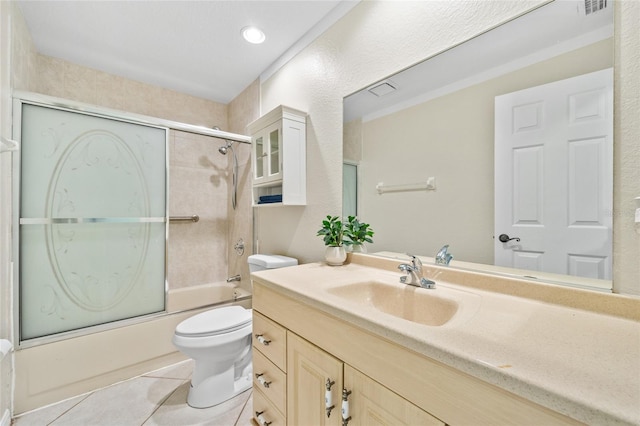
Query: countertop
[(581, 363)]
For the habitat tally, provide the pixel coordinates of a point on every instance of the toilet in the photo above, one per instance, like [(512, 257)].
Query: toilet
[(219, 342)]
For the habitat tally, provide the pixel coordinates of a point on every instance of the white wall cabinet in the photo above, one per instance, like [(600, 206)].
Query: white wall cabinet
[(279, 157)]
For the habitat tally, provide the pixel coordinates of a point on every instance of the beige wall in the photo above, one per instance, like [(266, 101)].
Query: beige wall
[(377, 39), (6, 364), (452, 139), (626, 173)]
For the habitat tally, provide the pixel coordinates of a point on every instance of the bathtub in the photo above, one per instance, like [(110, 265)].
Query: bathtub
[(205, 295), (56, 371)]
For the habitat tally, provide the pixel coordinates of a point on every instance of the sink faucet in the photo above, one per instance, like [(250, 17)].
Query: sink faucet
[(414, 274), (443, 257)]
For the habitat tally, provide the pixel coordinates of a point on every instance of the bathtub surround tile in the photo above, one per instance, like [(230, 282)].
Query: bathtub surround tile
[(198, 251), (109, 90)]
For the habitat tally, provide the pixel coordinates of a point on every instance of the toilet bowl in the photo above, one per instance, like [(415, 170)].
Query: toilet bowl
[(219, 342)]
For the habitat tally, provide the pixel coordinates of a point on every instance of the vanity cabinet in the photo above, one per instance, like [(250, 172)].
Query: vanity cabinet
[(315, 382), (389, 383), (269, 371), (278, 157)]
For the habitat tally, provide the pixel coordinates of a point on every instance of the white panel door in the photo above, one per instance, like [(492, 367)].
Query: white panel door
[(554, 176)]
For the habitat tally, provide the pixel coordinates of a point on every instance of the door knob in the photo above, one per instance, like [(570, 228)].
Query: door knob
[(505, 238)]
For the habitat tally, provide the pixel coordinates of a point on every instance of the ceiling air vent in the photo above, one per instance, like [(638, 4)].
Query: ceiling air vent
[(592, 6), (382, 89)]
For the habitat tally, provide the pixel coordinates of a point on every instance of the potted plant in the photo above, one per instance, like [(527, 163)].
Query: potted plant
[(332, 232), (356, 234)]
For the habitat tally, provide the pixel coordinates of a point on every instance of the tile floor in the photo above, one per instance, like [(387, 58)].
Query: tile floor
[(157, 398)]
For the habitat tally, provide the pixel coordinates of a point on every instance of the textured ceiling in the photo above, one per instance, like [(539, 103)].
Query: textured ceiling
[(193, 47)]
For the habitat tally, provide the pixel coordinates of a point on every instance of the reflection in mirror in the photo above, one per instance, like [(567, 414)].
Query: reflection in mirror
[(479, 118)]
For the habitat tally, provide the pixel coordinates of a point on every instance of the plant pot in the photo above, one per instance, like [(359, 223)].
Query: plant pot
[(335, 256), (358, 248)]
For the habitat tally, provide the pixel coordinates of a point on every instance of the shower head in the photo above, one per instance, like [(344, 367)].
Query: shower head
[(223, 149)]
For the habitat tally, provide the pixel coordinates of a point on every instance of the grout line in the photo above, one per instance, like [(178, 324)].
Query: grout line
[(161, 403), (243, 408), (70, 408)]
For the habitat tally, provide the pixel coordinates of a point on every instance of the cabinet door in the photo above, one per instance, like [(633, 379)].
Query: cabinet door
[(273, 134), (308, 369), (370, 404), (259, 156)]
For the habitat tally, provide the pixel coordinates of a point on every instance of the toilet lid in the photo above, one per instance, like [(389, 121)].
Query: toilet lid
[(215, 321)]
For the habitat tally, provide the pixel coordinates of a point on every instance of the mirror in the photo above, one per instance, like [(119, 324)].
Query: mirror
[(425, 141)]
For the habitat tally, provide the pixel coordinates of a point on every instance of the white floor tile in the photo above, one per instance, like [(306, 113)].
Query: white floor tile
[(46, 415), (246, 417), (157, 398), (182, 370), (175, 411), (123, 404)]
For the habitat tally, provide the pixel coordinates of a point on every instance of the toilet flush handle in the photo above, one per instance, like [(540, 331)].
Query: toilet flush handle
[(262, 340)]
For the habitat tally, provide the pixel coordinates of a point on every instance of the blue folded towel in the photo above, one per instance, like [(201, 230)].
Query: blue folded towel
[(266, 199)]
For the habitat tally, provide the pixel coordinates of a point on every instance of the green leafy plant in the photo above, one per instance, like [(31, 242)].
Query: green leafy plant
[(332, 231), (357, 232)]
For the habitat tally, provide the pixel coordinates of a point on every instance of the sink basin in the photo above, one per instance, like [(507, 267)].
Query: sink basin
[(402, 301)]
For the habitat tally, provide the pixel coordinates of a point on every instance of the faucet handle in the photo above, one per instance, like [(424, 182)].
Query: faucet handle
[(416, 262), (444, 257)]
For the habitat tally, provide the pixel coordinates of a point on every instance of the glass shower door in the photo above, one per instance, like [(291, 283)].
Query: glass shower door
[(92, 228)]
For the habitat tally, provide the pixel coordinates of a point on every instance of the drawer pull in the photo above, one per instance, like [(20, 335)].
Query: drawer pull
[(262, 380), (345, 407), (261, 419), (262, 340), (328, 397)]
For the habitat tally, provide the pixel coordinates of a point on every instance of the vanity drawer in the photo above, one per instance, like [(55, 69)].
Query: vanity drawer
[(270, 339), (274, 384), (263, 409)]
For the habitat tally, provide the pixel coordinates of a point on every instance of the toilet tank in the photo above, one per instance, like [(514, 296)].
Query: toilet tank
[(260, 262)]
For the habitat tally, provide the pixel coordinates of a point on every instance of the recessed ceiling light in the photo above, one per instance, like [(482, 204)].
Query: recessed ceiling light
[(253, 35)]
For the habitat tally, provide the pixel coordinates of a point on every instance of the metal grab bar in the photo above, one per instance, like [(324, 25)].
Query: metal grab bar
[(193, 218)]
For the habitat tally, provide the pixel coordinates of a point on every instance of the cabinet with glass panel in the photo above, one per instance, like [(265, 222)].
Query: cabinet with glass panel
[(279, 157)]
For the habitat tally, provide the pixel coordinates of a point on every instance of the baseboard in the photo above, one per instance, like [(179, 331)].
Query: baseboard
[(6, 418)]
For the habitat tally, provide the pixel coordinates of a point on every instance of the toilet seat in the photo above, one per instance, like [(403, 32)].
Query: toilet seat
[(215, 322)]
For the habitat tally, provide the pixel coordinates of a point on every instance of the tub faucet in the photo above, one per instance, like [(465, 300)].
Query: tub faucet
[(443, 257), (234, 278), (414, 274)]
